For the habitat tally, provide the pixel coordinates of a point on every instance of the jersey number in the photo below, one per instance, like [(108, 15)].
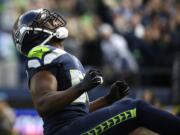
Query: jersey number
[(76, 77)]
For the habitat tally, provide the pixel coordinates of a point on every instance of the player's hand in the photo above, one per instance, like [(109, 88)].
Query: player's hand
[(92, 79), (119, 90)]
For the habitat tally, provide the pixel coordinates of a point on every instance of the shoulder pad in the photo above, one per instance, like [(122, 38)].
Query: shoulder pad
[(43, 55), (38, 52)]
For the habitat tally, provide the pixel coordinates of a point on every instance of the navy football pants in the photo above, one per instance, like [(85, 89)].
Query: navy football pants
[(123, 117)]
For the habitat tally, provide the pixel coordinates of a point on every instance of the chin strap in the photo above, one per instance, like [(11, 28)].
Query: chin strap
[(61, 33)]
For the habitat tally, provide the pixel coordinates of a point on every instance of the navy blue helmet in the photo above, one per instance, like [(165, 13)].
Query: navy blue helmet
[(38, 27)]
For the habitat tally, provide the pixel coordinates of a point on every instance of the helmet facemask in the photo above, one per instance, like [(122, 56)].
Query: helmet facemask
[(49, 20)]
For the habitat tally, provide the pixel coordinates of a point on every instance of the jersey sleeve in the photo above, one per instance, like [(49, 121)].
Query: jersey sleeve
[(43, 58)]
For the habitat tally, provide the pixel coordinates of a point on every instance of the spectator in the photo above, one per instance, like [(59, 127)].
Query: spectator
[(117, 56), (9, 67), (91, 50), (7, 119)]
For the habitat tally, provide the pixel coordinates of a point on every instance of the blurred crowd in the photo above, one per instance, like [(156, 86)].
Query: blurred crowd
[(134, 40), (137, 40)]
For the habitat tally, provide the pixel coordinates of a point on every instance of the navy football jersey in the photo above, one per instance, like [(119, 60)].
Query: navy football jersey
[(68, 71)]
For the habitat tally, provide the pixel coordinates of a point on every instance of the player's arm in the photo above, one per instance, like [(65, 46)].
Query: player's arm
[(47, 99), (118, 90)]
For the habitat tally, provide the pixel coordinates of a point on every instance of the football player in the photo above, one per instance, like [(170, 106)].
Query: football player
[(59, 85)]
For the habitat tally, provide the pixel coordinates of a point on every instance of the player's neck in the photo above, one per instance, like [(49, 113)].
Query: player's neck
[(58, 45)]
